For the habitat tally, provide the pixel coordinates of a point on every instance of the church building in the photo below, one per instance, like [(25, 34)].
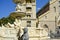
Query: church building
[(49, 16)]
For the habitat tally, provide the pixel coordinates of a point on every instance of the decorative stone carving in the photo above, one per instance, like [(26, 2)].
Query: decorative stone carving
[(18, 7)]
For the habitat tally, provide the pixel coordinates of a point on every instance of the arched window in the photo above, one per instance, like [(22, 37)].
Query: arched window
[(28, 23), (55, 9)]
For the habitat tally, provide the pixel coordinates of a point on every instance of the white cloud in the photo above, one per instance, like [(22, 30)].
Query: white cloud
[(39, 8)]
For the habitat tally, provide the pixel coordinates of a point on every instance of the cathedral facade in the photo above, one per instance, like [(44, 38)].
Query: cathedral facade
[(49, 17)]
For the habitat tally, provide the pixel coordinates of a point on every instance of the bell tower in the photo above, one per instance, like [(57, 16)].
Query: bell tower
[(30, 13), (31, 8), (27, 7)]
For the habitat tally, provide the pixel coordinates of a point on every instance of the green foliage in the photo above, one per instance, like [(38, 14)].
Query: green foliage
[(9, 19)]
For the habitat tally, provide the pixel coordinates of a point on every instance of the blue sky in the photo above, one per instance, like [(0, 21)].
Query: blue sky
[(7, 6)]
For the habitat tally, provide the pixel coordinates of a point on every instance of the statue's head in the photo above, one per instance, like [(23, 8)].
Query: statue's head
[(25, 30)]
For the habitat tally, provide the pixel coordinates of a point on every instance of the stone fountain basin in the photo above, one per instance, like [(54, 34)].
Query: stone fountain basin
[(18, 14)]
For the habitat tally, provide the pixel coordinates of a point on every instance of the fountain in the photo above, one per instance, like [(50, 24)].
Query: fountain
[(19, 13), (12, 31)]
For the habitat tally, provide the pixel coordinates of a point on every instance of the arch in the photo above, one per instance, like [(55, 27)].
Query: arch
[(45, 26)]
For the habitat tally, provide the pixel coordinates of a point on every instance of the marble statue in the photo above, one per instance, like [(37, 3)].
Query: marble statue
[(18, 7), (25, 35)]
